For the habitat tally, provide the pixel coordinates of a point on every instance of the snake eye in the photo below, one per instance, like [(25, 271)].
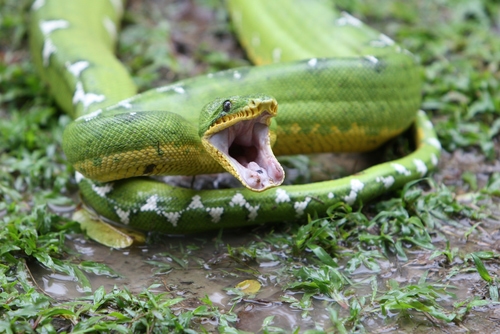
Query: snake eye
[(226, 106)]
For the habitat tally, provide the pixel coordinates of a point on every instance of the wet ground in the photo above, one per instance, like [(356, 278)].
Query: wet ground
[(196, 266)]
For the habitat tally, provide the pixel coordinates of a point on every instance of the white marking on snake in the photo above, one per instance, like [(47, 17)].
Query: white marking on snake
[(387, 181), (38, 4), (132, 113), (312, 62), (195, 203), (215, 213), (77, 68), (79, 177), (400, 169), (124, 215), (386, 39), (173, 217), (276, 55), (125, 104), (252, 211), (372, 59), (179, 90), (175, 88), (89, 117), (282, 196), (301, 206), (110, 26), (86, 98), (434, 142), (238, 200), (421, 167), (331, 195), (48, 49), (348, 19), (356, 187), (151, 204), (102, 191), (236, 75), (434, 159), (382, 41), (48, 27)]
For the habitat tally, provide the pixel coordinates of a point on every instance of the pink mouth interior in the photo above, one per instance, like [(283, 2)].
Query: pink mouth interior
[(246, 146)]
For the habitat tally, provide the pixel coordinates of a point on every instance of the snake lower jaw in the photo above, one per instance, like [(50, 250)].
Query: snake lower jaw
[(244, 150)]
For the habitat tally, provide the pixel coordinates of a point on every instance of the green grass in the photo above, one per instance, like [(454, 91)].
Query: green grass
[(457, 42)]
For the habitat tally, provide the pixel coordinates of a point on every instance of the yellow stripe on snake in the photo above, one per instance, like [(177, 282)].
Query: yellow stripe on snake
[(340, 85)]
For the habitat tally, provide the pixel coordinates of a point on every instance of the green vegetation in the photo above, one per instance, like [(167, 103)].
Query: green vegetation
[(337, 263)]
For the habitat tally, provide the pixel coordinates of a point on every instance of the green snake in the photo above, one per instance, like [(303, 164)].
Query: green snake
[(340, 85)]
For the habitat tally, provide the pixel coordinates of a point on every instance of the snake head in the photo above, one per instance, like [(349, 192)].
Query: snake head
[(235, 132)]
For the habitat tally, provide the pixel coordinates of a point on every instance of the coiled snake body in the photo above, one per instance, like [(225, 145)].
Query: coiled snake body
[(340, 85)]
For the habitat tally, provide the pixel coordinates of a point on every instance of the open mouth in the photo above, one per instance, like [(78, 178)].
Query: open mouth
[(245, 147)]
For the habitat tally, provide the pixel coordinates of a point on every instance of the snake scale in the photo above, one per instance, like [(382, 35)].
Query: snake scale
[(340, 85)]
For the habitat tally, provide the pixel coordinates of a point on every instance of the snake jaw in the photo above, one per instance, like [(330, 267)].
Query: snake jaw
[(242, 145)]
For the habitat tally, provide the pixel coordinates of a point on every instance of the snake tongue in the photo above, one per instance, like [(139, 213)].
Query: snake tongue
[(246, 147)]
